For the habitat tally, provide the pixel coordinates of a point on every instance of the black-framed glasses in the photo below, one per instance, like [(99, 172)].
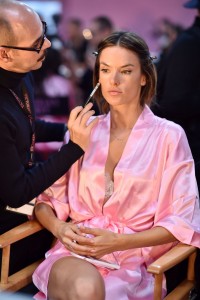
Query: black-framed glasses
[(35, 49)]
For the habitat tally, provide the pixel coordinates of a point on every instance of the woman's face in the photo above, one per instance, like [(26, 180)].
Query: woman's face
[(120, 76)]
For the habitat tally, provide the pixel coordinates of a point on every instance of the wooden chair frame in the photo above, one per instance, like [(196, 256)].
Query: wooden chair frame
[(171, 258), (23, 277)]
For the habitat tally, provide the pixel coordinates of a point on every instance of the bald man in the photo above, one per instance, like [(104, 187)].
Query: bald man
[(23, 46)]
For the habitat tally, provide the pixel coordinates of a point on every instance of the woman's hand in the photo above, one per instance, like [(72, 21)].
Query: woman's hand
[(78, 126), (72, 238), (78, 241), (67, 233), (103, 241)]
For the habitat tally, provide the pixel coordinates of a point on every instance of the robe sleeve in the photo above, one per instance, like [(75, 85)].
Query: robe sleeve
[(178, 201), (56, 197)]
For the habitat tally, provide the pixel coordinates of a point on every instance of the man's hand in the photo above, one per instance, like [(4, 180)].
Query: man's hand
[(78, 125)]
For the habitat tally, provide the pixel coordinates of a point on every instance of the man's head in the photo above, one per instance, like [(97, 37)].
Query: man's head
[(74, 29), (101, 27), (22, 37)]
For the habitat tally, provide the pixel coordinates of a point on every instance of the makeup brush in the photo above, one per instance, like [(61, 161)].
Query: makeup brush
[(92, 94)]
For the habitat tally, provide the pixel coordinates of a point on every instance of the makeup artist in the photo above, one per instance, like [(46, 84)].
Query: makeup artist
[(23, 46)]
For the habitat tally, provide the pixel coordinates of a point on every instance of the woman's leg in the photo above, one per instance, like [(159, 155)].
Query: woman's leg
[(72, 278)]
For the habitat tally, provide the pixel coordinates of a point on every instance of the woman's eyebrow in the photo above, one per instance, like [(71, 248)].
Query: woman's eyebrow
[(103, 63), (127, 65), (124, 66)]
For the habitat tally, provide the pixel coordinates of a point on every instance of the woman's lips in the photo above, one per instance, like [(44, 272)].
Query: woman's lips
[(114, 92)]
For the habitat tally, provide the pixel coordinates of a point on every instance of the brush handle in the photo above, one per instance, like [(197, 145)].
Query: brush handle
[(91, 95)]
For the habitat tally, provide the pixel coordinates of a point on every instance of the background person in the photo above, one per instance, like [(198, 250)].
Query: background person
[(178, 91), (165, 34)]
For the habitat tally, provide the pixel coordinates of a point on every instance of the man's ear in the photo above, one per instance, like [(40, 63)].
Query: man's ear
[(5, 55)]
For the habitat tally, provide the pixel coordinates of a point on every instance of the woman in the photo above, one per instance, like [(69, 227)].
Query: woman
[(132, 196)]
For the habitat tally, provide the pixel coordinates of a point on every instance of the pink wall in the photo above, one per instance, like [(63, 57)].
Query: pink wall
[(135, 15)]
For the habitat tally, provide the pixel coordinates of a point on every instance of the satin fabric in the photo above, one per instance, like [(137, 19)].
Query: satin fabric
[(154, 185)]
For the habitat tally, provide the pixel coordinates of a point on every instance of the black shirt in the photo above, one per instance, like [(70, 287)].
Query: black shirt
[(18, 183)]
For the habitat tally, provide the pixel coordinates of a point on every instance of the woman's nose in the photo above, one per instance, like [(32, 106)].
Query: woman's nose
[(115, 80)]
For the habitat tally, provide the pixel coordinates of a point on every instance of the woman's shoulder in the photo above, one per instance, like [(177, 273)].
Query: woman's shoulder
[(161, 124), (170, 128), (165, 123)]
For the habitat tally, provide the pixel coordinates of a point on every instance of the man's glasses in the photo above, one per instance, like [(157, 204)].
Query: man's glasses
[(35, 49)]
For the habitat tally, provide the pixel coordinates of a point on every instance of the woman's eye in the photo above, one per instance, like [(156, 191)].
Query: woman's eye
[(126, 71), (104, 70)]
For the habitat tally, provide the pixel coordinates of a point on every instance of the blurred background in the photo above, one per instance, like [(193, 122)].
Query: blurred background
[(140, 16)]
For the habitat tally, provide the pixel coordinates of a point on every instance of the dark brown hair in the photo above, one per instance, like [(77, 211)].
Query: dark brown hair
[(136, 44)]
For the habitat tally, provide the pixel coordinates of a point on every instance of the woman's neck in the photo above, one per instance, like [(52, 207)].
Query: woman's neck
[(122, 118)]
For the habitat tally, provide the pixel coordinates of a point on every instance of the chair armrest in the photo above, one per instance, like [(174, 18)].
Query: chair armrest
[(19, 232), (24, 276), (171, 258)]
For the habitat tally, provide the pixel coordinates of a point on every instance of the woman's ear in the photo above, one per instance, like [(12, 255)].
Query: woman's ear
[(143, 80)]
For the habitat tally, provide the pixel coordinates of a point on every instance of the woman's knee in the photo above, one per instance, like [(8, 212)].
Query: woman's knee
[(77, 280), (89, 288)]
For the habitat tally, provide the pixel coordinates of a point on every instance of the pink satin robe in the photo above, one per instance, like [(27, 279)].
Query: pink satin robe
[(154, 185)]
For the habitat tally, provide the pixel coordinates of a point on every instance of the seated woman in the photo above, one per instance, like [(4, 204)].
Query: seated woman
[(131, 197)]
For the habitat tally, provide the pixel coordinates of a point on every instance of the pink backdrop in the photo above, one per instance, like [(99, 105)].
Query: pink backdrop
[(135, 15)]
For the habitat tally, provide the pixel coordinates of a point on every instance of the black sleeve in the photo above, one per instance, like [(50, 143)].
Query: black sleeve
[(20, 185), (49, 131)]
